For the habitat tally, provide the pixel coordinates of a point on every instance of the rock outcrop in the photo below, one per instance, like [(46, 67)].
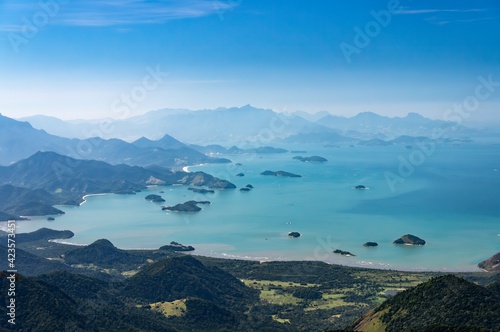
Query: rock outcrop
[(176, 246), (154, 198), (342, 252), (411, 240), (492, 264)]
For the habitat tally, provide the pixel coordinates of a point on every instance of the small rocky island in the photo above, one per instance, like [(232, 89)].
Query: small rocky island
[(189, 206), (201, 190), (370, 244), (154, 198), (360, 187), (281, 173), (492, 264), (247, 188), (313, 159), (240, 174), (410, 240), (175, 246), (294, 234), (343, 253)]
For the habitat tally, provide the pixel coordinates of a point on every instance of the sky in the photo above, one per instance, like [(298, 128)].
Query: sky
[(92, 59)]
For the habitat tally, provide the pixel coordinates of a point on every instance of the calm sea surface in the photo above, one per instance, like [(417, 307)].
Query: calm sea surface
[(450, 199)]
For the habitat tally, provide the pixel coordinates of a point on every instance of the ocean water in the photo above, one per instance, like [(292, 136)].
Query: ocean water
[(450, 199)]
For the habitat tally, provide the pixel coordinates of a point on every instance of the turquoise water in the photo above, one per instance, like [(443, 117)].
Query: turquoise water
[(451, 200)]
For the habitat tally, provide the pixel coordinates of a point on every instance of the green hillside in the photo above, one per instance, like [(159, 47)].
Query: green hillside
[(445, 303)]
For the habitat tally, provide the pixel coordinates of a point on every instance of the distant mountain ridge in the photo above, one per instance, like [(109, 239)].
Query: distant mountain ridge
[(248, 124), (413, 124), (19, 140), (235, 124)]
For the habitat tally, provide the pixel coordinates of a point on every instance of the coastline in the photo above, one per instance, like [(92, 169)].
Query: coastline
[(339, 261), (84, 198), (186, 168), (336, 261)]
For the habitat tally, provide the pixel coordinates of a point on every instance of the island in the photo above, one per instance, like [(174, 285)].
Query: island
[(245, 189), (189, 206), (360, 187), (298, 151), (294, 234), (44, 234), (314, 159), (249, 186), (201, 190), (281, 173), (492, 264), (154, 198), (410, 240), (343, 253), (267, 149), (370, 244), (51, 219), (240, 174), (175, 246), (259, 150)]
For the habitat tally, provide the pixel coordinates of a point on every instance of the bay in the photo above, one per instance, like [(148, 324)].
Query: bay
[(448, 197)]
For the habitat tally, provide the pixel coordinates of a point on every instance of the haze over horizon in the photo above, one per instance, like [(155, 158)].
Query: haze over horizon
[(89, 60)]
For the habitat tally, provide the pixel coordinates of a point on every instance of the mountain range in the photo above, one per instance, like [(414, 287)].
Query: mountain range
[(251, 129), (240, 125), (31, 186), (19, 140), (368, 123)]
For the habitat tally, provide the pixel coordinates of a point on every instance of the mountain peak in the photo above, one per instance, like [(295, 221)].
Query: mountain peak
[(103, 243), (166, 142), (6, 121), (414, 115), (368, 115)]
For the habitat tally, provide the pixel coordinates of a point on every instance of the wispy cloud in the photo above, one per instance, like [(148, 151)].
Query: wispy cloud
[(441, 21), (447, 16), (122, 13), (434, 11)]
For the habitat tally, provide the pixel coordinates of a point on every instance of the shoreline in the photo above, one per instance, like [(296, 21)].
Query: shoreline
[(186, 168), (84, 198), (339, 262), (334, 261)]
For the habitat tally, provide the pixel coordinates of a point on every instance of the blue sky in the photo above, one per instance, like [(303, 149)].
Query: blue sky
[(81, 59)]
